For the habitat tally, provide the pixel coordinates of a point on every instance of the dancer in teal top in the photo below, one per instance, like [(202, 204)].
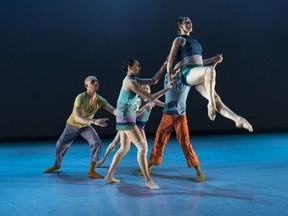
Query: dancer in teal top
[(126, 118), (144, 108)]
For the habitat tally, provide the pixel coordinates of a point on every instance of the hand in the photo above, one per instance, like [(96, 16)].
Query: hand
[(100, 122), (218, 58), (171, 84), (151, 105)]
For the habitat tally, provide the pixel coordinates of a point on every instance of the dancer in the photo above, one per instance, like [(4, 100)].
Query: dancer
[(174, 117), (126, 118), (143, 113), (194, 72), (79, 123)]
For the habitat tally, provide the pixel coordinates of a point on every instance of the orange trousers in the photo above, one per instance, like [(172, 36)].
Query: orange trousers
[(180, 124)]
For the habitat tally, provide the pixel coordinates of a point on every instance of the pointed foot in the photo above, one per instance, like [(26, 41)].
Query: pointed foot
[(211, 112), (243, 123)]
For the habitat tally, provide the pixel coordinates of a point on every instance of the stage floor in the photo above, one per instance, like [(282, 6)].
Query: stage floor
[(245, 175)]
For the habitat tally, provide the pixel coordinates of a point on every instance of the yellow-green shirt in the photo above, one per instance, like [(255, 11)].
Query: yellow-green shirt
[(82, 101)]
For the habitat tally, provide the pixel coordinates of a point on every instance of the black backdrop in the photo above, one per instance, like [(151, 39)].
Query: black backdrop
[(48, 47)]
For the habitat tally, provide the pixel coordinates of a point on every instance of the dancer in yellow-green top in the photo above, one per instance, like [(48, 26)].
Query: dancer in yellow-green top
[(79, 123)]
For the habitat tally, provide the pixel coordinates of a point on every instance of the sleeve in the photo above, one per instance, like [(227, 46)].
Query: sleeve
[(102, 102), (78, 101)]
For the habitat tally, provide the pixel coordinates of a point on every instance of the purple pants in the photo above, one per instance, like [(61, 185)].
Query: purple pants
[(69, 135)]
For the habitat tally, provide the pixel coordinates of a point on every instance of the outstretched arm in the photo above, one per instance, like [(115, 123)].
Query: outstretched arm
[(159, 103), (143, 108), (155, 78), (214, 60), (150, 106), (84, 120), (110, 109), (137, 88)]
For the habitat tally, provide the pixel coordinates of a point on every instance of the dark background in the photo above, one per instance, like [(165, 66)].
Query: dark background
[(48, 47)]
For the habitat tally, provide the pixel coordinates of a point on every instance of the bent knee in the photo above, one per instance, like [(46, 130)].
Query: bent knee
[(124, 150), (142, 148)]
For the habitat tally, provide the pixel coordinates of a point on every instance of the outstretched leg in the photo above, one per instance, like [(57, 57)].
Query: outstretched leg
[(139, 173), (141, 145), (63, 144), (207, 76), (125, 147), (162, 137), (110, 149), (223, 110)]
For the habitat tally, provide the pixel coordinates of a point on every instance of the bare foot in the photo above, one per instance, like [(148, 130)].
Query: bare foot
[(200, 178), (211, 111), (243, 123), (111, 180), (93, 174), (151, 185), (51, 169)]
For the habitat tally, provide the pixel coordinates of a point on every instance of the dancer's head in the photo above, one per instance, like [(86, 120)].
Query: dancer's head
[(183, 25), (91, 83), (131, 67), (147, 88)]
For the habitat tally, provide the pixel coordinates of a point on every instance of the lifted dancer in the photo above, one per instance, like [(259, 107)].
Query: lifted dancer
[(195, 72)]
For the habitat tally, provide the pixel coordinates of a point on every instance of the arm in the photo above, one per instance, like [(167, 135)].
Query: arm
[(136, 87), (84, 120), (175, 70), (150, 106), (159, 103), (155, 78), (214, 60), (142, 109), (110, 109), (177, 43)]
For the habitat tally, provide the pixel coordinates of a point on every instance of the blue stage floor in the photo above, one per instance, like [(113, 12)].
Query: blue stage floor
[(245, 175)]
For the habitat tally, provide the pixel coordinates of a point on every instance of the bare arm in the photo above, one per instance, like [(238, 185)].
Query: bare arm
[(214, 60), (159, 103), (84, 120), (150, 106), (110, 109), (136, 87), (143, 108), (176, 69), (172, 55), (155, 78)]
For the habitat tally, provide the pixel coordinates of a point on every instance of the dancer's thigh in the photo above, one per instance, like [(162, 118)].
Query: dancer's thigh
[(196, 75), (134, 135)]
